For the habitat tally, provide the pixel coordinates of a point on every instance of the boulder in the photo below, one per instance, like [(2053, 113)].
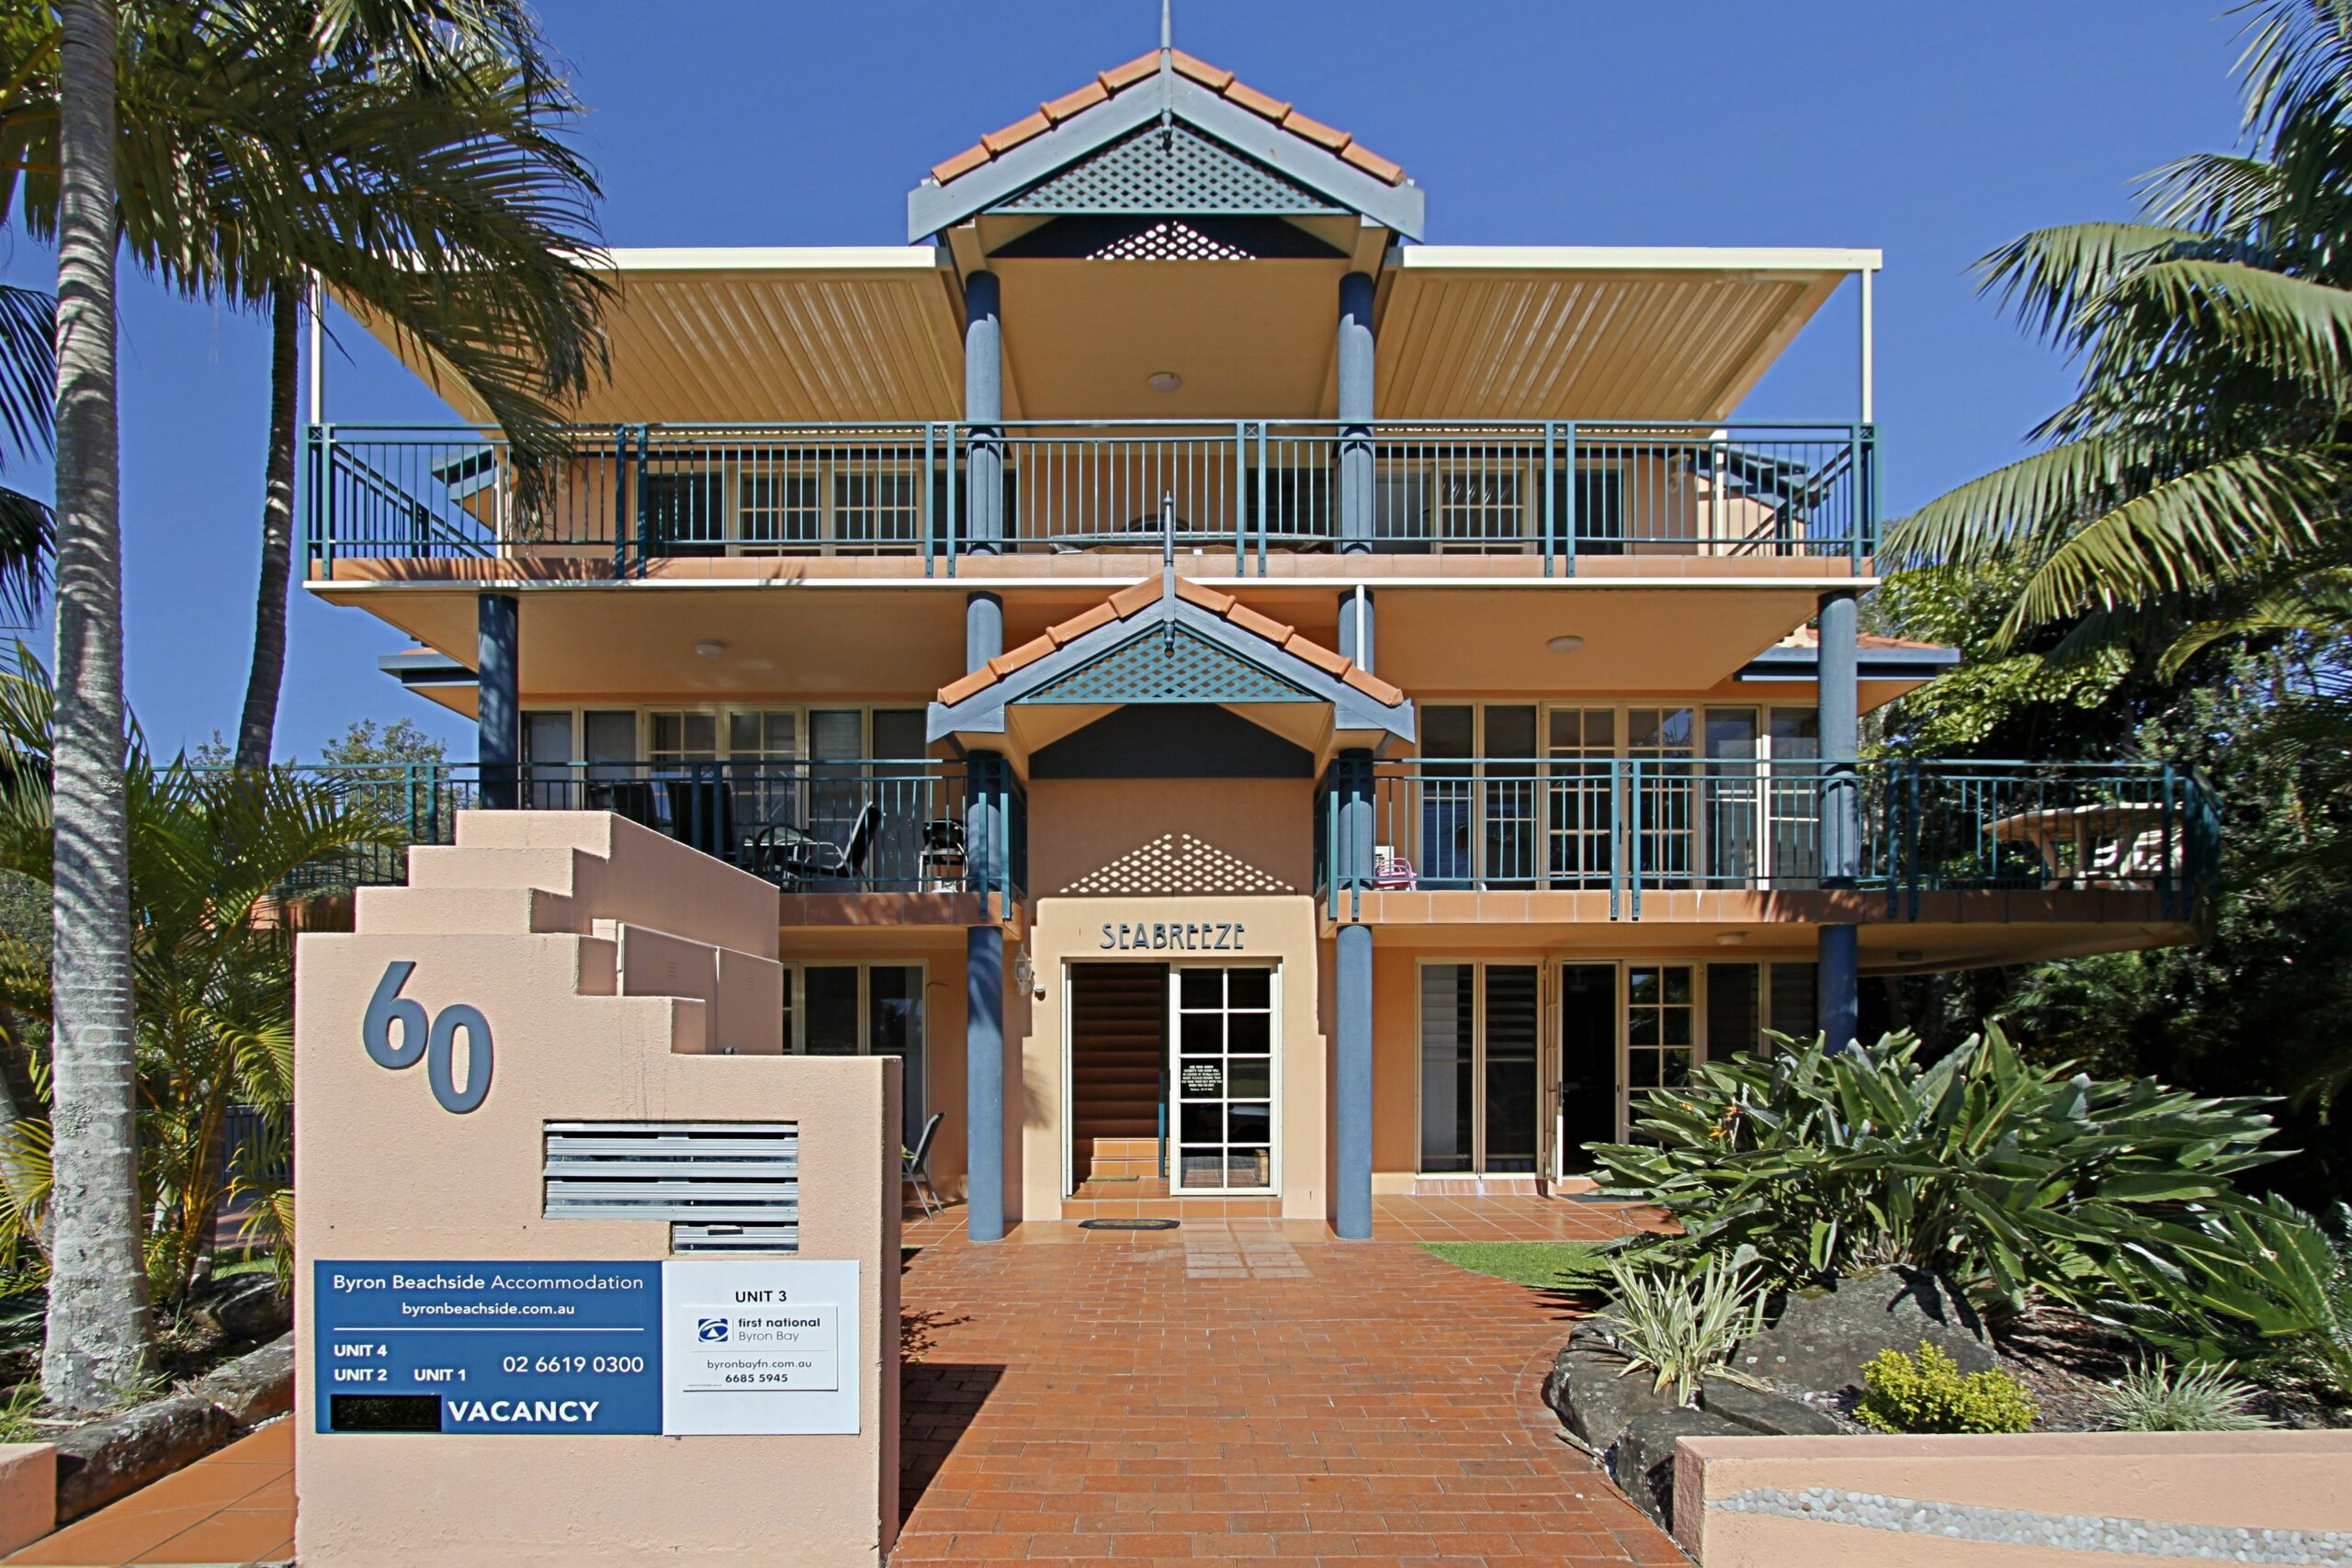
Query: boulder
[(1642, 1460), (249, 1306), (1596, 1397), (110, 1459), (1822, 1339), (254, 1387), (1770, 1415)]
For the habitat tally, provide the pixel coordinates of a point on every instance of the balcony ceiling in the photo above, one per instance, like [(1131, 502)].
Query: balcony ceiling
[(857, 333)]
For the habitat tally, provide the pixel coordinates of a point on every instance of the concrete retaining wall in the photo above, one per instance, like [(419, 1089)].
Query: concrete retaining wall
[(2042, 1500)]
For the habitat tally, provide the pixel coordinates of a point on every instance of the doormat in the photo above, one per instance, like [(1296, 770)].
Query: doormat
[(1128, 1224), (1589, 1198), (1093, 1180)]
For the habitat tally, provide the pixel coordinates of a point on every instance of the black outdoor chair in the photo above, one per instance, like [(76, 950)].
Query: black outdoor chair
[(632, 798), (788, 853), (702, 813), (917, 1166)]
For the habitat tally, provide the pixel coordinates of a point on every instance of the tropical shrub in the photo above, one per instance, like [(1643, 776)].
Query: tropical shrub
[(1998, 1173), (1928, 1392), (1682, 1327), (2268, 1285), (2158, 1396)]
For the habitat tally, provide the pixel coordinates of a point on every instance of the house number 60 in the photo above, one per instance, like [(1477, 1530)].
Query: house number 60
[(434, 1041)]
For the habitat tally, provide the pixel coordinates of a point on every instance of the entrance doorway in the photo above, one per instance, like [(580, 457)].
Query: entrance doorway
[(1118, 1056), (1588, 1061)]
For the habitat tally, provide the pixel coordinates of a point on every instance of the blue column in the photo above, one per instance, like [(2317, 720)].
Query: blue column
[(1351, 1085), (1356, 639), (984, 414), (1357, 385), (1839, 982), (498, 737), (983, 629), (984, 1081)]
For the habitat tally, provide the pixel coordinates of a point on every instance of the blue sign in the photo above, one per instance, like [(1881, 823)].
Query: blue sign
[(514, 1347)]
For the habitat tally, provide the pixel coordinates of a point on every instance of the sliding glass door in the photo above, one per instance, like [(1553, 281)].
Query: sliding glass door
[(1480, 1096)]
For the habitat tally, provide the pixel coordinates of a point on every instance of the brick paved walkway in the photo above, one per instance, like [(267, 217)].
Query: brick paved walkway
[(1261, 1392)]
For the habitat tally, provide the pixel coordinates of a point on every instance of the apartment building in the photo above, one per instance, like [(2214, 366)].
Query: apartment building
[(1259, 710)]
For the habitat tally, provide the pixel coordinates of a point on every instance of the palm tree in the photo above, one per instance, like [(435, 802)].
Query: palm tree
[(2194, 489), (406, 155), (97, 1340), (210, 852)]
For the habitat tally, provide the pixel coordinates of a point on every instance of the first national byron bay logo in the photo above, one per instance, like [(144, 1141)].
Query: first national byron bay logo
[(712, 1328)]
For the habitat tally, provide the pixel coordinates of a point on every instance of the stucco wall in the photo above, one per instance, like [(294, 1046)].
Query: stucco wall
[(2010, 1502), (1092, 838), (538, 918)]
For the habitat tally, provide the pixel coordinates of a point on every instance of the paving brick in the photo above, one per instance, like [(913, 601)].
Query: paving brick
[(1263, 1393)]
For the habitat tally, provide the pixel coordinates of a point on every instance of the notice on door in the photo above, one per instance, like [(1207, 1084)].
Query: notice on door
[(759, 1346)]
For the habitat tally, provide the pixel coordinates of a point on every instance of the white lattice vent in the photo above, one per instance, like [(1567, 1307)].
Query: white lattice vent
[(1180, 864)]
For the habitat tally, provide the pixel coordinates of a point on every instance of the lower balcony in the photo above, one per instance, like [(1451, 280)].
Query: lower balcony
[(853, 841), (1577, 840)]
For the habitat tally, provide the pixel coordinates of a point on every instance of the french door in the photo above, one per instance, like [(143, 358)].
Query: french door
[(1221, 1037), (1480, 1061)]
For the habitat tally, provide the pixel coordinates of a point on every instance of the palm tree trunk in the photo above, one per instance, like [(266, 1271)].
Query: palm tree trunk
[(98, 1330), (259, 725)]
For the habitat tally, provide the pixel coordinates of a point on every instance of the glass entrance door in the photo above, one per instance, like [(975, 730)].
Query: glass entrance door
[(1221, 1035)]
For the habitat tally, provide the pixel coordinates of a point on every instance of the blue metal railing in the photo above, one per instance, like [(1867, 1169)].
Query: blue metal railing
[(862, 825), (1563, 490), (1630, 825)]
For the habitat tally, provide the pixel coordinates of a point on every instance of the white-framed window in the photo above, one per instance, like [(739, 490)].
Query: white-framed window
[(851, 1008)]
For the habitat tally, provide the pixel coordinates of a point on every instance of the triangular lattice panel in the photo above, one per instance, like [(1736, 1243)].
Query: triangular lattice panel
[(1171, 170), (1154, 668), (1179, 865)]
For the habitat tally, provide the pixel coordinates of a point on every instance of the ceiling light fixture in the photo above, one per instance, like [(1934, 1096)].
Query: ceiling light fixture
[(1163, 380), (1565, 644), (709, 647), (1909, 955), (1730, 939)]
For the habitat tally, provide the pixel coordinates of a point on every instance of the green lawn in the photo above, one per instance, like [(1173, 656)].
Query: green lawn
[(1545, 1265)]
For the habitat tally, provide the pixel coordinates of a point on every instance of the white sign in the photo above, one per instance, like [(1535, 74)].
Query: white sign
[(758, 1346)]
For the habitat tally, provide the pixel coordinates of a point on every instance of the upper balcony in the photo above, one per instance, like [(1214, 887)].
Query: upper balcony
[(1536, 497)]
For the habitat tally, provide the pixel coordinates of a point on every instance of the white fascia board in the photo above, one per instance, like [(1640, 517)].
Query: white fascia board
[(778, 258), (1633, 258)]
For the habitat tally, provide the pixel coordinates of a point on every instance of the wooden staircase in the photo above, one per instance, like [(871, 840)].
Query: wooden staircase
[(1118, 1025)]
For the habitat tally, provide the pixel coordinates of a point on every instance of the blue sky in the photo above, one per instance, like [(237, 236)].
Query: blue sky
[(1932, 132)]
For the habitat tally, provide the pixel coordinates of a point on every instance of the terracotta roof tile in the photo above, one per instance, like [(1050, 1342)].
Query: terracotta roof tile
[(1142, 68), (1133, 71), (1079, 626), (1314, 131), (1266, 626), (1143, 596), (964, 686), (1201, 71), (1127, 601), (1315, 653), (1086, 98), (1373, 686), (1373, 164), (1029, 653), (1208, 598), (1256, 102), (963, 163), (999, 143)]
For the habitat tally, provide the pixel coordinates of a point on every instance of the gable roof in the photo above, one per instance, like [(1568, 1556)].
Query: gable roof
[(1216, 647), (1208, 98), (1143, 68)]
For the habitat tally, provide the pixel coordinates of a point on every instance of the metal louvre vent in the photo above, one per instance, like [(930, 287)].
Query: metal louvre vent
[(1171, 238), (724, 1186), (1147, 669)]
